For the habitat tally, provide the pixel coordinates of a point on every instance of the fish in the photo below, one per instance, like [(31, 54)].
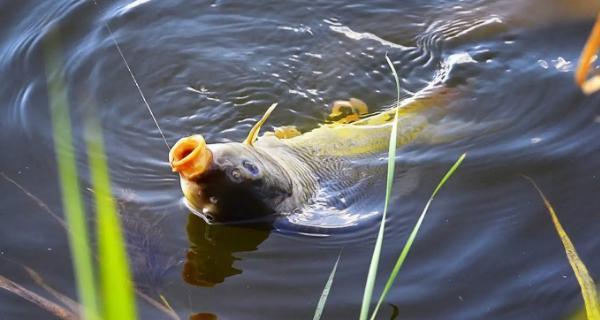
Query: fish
[(284, 170)]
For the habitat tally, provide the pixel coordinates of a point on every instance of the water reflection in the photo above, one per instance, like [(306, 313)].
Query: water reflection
[(210, 257)]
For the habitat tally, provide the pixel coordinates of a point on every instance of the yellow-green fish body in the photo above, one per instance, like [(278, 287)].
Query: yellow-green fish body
[(333, 164)]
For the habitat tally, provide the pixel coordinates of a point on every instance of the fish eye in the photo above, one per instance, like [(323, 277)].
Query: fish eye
[(253, 169)]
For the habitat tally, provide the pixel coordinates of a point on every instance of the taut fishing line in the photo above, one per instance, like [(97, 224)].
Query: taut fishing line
[(139, 89)]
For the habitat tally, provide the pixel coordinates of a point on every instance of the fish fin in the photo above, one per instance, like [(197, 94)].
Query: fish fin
[(359, 105), (253, 134), (286, 132), (347, 111), (588, 56)]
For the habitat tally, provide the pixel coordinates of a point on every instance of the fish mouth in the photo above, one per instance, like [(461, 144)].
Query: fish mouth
[(190, 157)]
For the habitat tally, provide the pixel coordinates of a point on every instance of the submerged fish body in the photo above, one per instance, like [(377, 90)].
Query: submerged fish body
[(332, 163)]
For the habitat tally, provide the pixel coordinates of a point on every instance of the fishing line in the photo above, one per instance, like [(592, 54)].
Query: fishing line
[(139, 89)]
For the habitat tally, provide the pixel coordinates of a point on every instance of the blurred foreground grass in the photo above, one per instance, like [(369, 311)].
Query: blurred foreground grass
[(116, 299)]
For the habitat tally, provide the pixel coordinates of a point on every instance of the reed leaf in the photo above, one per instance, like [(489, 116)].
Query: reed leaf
[(588, 287), (68, 178), (372, 274), (326, 289), (413, 235), (117, 289)]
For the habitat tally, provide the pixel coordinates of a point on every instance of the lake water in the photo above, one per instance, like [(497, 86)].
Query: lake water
[(487, 249)]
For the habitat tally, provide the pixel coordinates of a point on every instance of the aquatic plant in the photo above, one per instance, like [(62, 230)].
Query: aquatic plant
[(117, 296), (69, 178), (588, 287), (401, 257), (413, 235), (372, 274), (326, 289), (118, 301)]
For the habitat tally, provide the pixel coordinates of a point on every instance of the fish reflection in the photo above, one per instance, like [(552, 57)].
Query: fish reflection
[(210, 257), (203, 316)]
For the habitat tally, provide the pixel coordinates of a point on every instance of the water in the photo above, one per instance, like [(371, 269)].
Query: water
[(487, 249)]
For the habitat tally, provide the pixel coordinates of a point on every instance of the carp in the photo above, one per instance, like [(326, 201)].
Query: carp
[(285, 170)]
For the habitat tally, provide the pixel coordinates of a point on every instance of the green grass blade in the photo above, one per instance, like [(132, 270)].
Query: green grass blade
[(372, 275), (68, 177), (413, 235), (586, 283), (117, 288), (326, 289)]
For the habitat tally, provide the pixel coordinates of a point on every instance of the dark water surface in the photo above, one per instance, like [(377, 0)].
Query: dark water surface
[(486, 251)]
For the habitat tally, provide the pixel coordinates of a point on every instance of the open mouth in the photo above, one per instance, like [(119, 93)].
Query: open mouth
[(190, 157)]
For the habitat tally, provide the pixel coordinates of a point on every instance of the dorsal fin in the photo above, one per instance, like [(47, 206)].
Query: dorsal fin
[(253, 134)]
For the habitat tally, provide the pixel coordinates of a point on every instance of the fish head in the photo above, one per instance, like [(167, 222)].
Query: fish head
[(229, 182)]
